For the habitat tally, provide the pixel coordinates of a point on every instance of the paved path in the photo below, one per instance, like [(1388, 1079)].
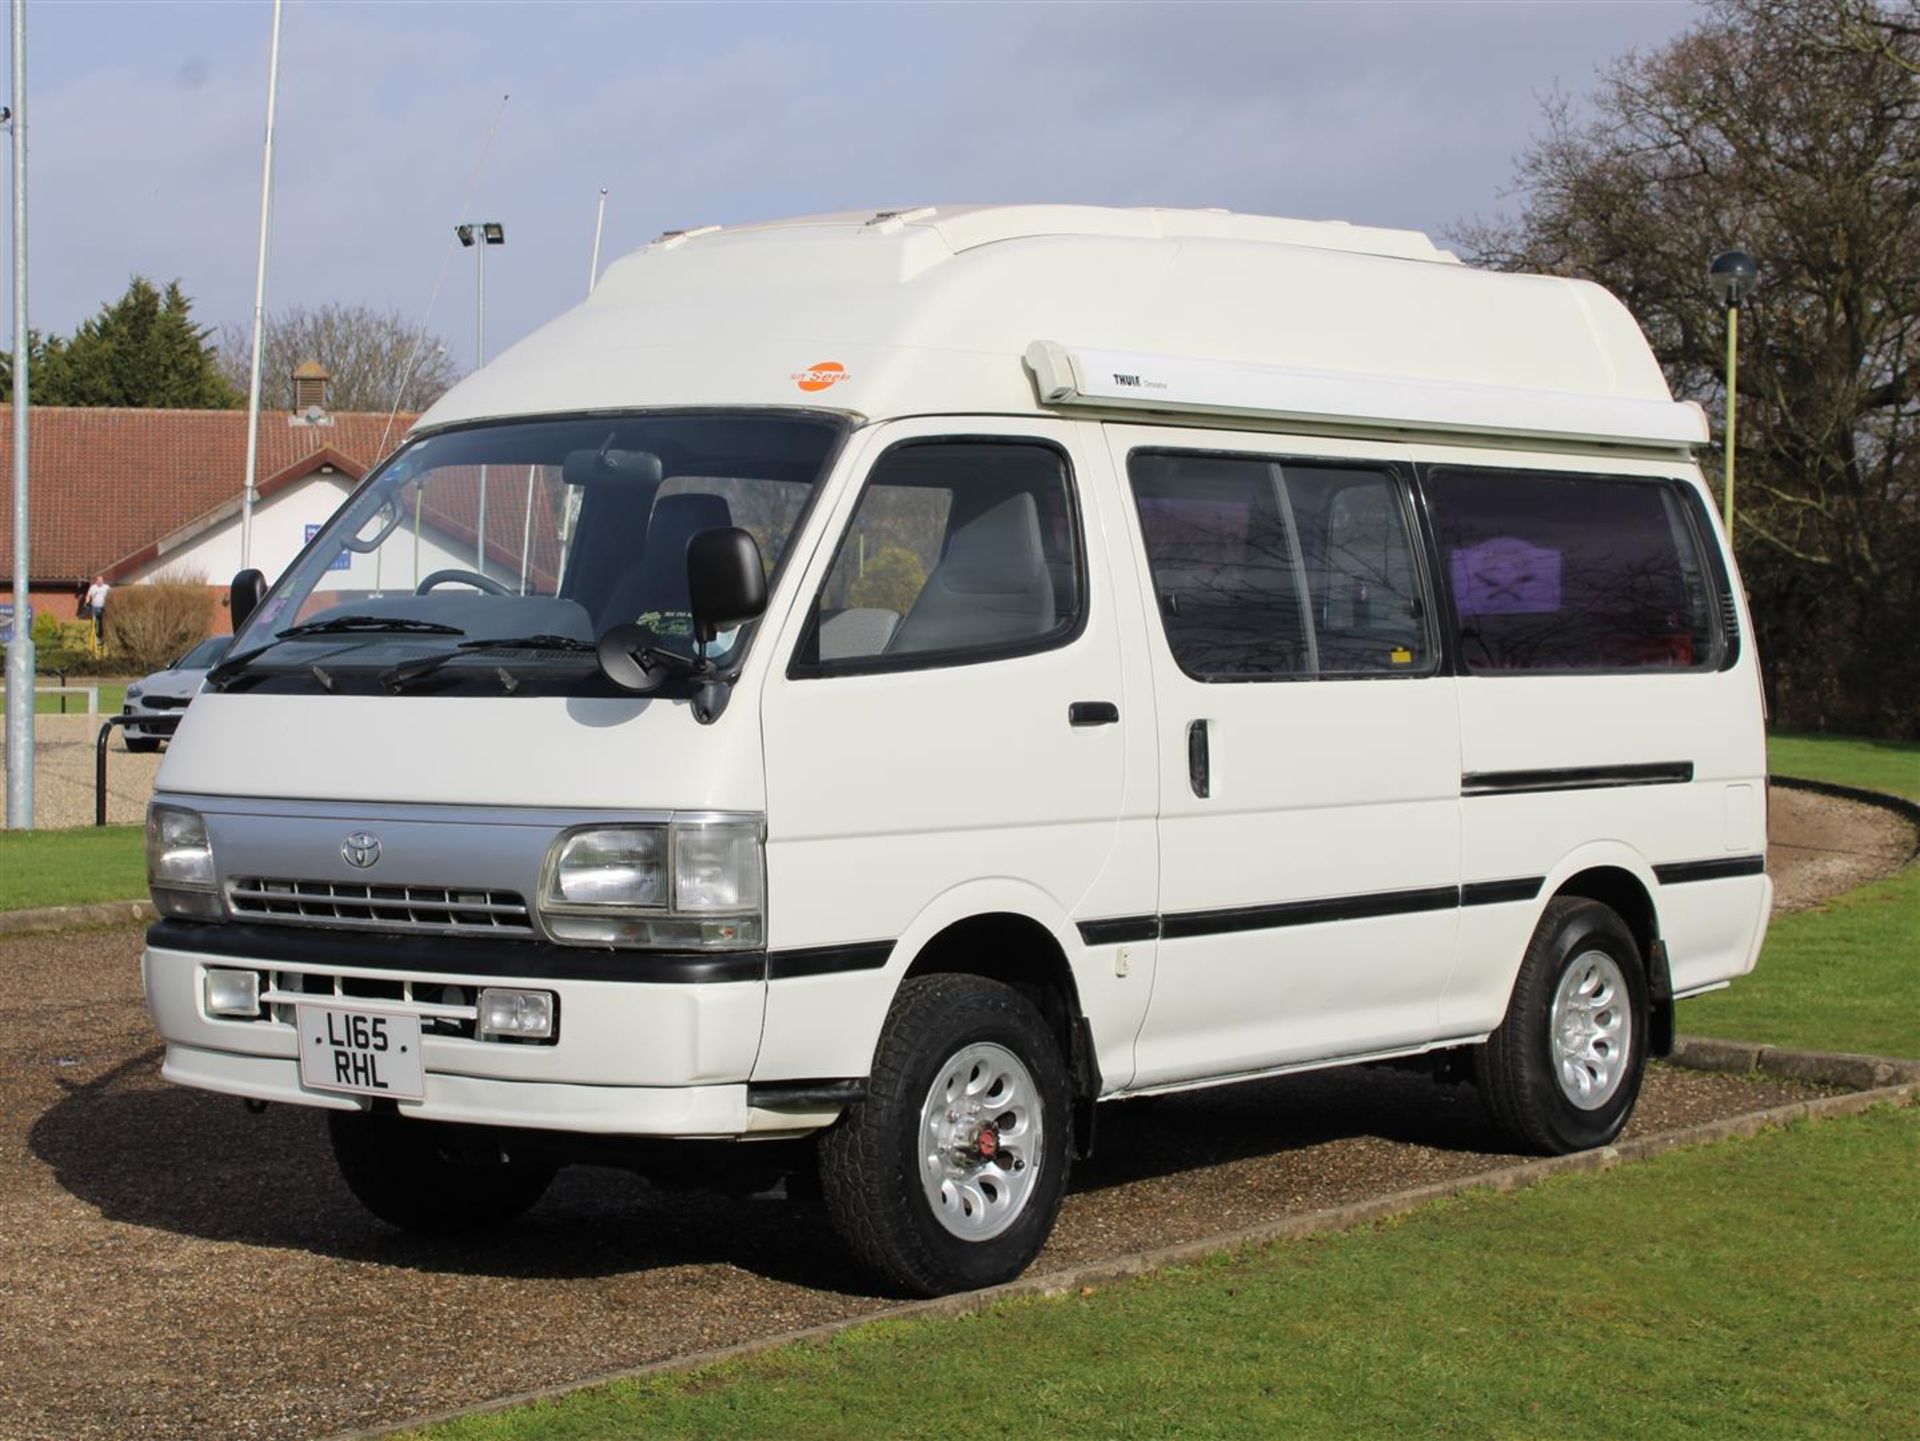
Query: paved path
[(63, 774)]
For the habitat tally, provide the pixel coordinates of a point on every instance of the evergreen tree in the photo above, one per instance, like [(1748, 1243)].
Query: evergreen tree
[(141, 350)]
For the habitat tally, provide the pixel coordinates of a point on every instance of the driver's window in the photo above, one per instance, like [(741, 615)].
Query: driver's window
[(959, 551)]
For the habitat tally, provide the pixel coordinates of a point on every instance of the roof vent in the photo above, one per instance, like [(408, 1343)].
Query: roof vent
[(668, 239), (888, 221), (310, 386)]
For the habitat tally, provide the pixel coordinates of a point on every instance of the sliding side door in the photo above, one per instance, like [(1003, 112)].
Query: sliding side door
[(1309, 753)]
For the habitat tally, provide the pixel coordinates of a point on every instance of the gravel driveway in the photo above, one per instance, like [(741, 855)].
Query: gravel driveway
[(172, 1266)]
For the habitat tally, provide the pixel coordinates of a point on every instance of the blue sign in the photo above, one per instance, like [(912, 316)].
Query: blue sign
[(342, 561), (6, 622)]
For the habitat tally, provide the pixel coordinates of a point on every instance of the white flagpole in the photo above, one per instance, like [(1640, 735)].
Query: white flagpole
[(260, 301), (20, 652), (599, 219)]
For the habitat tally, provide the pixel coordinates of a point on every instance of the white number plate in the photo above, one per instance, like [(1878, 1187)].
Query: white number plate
[(371, 1053)]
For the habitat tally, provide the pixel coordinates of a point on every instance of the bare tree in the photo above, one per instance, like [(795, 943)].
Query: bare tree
[(376, 360), (1789, 128)]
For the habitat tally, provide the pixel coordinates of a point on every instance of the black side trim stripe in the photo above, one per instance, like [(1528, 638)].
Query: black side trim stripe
[(1118, 930), (1680, 872), (1494, 893), (1308, 913), (1575, 778), (827, 960)]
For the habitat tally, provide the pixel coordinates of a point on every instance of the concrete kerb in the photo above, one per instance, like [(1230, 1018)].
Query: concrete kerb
[(1693, 1052), (75, 918)]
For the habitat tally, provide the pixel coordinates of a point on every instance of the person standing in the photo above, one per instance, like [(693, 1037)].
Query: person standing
[(95, 606)]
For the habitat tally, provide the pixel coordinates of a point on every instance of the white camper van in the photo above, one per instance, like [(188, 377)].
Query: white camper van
[(906, 677)]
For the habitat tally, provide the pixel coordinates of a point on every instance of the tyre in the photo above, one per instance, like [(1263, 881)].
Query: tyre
[(1563, 1071), (431, 1178), (142, 747), (948, 1175)]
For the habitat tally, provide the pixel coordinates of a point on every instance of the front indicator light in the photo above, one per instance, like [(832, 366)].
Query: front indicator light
[(515, 1015)]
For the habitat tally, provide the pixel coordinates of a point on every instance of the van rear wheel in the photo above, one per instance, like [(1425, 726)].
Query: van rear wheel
[(1563, 1071), (949, 1174), (432, 1178)]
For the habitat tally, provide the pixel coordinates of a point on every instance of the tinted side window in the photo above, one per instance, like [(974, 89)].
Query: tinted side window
[(1226, 571), (1368, 612), (1271, 569), (1570, 573), (958, 551)]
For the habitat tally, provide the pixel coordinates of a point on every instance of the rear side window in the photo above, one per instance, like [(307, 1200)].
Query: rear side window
[(1267, 570), (959, 551), (1571, 573)]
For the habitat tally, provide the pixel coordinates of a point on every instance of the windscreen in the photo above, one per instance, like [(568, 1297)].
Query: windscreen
[(541, 532)]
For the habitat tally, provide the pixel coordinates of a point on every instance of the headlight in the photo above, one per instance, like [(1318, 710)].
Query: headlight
[(696, 883), (615, 866), (180, 864), (134, 691), (178, 851)]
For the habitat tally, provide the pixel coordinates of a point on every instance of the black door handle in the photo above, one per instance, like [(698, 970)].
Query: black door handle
[(1199, 763), (1093, 713)]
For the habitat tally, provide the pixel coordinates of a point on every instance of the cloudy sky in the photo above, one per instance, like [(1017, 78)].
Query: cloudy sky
[(145, 127)]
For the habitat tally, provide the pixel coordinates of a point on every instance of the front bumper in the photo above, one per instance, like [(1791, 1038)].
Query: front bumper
[(632, 1057)]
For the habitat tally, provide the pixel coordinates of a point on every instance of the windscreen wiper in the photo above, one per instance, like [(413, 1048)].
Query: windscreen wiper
[(397, 678), (338, 625)]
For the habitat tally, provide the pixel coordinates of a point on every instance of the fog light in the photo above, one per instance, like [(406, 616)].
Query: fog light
[(233, 993), (520, 1015)]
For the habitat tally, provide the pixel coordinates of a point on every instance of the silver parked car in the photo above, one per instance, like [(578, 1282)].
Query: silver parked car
[(168, 692)]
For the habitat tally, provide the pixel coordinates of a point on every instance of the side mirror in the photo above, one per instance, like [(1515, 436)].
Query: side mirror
[(726, 583), (248, 590)]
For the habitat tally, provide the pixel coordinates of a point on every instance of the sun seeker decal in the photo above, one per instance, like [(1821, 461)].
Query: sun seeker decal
[(820, 376)]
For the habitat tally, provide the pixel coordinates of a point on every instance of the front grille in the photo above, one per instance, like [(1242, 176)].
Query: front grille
[(439, 910), (168, 702)]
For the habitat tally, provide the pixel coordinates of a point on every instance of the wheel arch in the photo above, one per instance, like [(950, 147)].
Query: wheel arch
[(1623, 889)]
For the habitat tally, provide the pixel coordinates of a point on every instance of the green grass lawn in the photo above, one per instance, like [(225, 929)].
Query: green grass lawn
[(68, 868), (1845, 976), (113, 694), (1889, 766), (1768, 1287)]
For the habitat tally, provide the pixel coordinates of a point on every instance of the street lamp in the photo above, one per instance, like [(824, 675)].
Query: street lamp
[(1733, 276), (477, 236)]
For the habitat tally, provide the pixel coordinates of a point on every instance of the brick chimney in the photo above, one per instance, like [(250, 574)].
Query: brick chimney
[(310, 394)]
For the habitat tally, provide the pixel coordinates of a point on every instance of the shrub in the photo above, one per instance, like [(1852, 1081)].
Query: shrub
[(893, 580), (148, 625)]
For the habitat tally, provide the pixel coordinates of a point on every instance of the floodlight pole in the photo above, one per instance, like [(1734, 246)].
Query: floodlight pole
[(20, 649), (259, 301), (1733, 274), (1733, 371), (479, 362)]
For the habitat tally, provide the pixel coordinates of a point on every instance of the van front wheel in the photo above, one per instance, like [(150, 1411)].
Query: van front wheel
[(948, 1175), (1563, 1071)]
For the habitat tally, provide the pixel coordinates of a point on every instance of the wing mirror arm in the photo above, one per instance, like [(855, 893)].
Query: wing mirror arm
[(726, 586)]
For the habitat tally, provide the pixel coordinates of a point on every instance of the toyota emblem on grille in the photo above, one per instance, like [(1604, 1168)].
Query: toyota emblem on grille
[(360, 850)]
